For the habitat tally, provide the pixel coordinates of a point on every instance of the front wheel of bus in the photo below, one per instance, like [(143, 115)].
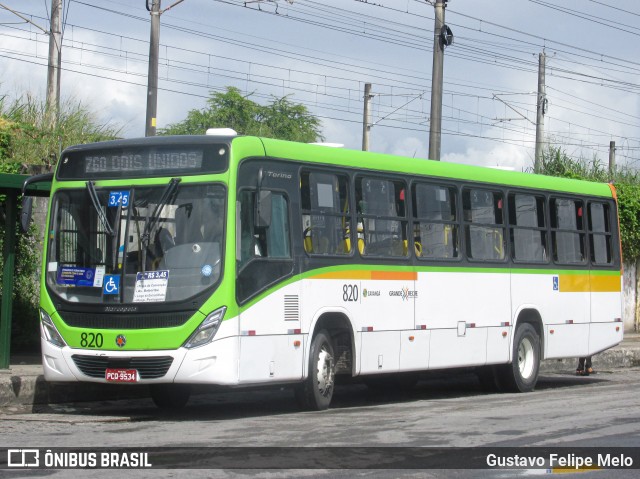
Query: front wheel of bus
[(170, 397), (316, 391), (522, 374)]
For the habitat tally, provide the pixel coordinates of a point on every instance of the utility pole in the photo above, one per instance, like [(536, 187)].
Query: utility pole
[(442, 37), (152, 80), (366, 117), (53, 70), (612, 160), (541, 110)]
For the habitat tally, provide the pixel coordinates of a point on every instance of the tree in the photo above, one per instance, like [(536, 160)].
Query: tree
[(28, 139), (280, 119), (555, 162)]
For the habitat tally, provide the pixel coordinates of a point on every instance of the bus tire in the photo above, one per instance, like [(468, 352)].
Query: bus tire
[(170, 397), (316, 391), (521, 375)]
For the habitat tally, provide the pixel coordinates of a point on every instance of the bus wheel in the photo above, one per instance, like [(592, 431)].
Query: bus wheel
[(170, 397), (316, 391), (522, 374)]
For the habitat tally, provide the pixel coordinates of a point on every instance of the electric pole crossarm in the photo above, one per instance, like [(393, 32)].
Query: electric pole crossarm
[(512, 108), (25, 19)]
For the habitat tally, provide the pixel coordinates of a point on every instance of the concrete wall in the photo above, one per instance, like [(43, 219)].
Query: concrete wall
[(629, 296)]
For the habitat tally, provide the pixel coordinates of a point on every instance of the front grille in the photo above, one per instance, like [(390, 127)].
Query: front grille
[(125, 321), (153, 367)]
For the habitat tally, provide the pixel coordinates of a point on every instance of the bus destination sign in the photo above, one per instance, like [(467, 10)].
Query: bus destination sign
[(139, 161), (147, 161)]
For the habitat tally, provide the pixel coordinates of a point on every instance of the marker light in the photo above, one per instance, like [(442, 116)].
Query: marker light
[(207, 330), (51, 334)]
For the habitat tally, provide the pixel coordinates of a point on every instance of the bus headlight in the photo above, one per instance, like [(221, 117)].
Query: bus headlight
[(207, 329), (51, 334)]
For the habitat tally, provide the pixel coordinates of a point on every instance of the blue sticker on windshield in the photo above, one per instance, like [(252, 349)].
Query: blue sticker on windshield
[(206, 270), (74, 276), (118, 197), (111, 284)]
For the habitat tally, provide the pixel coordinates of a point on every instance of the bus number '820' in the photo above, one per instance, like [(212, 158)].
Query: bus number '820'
[(350, 292), (90, 340)]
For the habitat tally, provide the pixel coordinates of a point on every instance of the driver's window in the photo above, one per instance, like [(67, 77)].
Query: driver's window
[(264, 253)]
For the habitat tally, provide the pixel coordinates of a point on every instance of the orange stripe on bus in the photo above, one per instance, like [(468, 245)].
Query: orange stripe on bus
[(397, 275), (344, 275), (583, 283), (605, 284), (370, 275)]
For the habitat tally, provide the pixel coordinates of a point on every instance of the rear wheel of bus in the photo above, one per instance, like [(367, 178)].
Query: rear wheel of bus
[(316, 391), (522, 374)]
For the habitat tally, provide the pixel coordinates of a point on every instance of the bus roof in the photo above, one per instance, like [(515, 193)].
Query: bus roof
[(398, 164)]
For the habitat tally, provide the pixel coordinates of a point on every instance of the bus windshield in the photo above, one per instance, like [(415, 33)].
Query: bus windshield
[(142, 244)]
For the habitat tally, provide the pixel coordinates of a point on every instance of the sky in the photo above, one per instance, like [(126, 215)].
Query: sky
[(321, 54)]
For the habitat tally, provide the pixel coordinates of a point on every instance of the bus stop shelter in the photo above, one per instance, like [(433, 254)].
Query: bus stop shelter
[(11, 188)]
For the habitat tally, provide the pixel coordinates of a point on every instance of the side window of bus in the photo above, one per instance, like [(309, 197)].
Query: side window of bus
[(381, 217), (484, 224), (325, 213), (567, 230), (435, 228), (263, 254), (528, 228), (600, 234), (270, 242)]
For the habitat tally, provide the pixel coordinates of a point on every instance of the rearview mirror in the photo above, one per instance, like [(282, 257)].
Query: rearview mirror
[(263, 209), (25, 213)]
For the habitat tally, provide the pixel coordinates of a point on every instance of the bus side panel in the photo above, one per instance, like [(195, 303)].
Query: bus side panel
[(270, 358), (566, 340), (604, 336), (458, 347), (386, 309), (414, 350), (271, 342), (380, 352), (459, 322), (606, 312)]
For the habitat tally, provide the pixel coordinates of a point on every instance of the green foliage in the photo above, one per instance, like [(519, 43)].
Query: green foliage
[(280, 119), (556, 162), (28, 134)]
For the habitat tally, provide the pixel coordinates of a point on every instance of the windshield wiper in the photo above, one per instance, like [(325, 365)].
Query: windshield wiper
[(96, 204), (152, 220)]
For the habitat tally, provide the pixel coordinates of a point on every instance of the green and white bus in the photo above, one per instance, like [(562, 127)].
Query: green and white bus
[(237, 261)]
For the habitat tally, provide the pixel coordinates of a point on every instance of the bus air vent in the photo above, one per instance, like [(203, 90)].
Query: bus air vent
[(125, 321), (291, 307)]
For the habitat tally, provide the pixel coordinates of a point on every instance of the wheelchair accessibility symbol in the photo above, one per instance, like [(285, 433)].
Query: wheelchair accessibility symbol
[(111, 284)]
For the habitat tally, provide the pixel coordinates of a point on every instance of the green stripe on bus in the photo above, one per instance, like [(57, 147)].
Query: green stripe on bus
[(411, 166)]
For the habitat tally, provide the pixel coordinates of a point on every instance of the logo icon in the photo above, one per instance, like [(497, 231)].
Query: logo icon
[(556, 285), (23, 457), (121, 340), (111, 284)]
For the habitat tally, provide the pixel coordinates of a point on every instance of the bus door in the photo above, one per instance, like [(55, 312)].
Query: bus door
[(271, 341), (388, 289), (606, 286), (569, 304)]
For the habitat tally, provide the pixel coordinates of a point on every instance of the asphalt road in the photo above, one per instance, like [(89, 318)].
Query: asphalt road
[(443, 411)]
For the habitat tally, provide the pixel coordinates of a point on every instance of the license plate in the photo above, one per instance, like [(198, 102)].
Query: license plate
[(121, 375)]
